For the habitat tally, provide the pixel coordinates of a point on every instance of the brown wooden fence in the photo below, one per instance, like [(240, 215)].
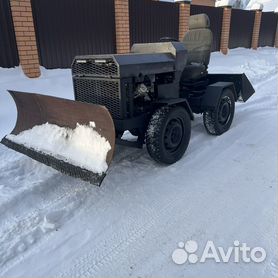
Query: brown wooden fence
[(241, 28), (65, 28), (151, 20), (268, 29), (8, 48)]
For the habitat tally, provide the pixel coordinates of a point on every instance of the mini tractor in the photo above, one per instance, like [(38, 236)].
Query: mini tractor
[(153, 92)]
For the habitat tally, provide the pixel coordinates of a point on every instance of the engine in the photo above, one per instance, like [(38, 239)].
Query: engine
[(128, 84)]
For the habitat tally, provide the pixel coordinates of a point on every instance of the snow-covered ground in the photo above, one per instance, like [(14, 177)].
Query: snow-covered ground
[(224, 189)]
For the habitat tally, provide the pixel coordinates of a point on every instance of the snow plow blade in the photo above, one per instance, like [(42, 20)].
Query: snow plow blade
[(36, 110)]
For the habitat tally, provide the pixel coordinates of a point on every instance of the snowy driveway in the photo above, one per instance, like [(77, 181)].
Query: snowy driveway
[(224, 189)]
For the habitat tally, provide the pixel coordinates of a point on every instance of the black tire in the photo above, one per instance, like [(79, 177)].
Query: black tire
[(168, 134), (219, 120)]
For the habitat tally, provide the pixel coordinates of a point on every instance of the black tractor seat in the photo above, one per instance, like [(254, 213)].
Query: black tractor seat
[(194, 72)]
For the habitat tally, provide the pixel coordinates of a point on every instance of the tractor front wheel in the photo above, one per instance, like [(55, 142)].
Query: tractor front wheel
[(168, 134)]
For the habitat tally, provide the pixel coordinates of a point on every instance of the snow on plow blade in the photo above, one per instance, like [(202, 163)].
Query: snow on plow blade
[(73, 121)]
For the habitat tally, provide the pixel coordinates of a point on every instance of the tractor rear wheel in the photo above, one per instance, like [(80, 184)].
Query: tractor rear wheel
[(219, 120), (168, 134)]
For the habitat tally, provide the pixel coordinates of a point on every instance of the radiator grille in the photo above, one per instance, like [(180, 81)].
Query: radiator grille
[(105, 67), (99, 91)]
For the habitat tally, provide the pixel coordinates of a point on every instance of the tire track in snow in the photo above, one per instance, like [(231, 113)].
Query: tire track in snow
[(106, 252), (273, 267), (56, 194), (55, 197), (132, 230)]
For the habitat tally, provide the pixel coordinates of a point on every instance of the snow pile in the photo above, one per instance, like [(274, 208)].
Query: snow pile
[(82, 146), (257, 6), (225, 3), (268, 5)]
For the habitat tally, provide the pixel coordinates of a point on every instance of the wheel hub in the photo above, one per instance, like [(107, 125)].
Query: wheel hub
[(224, 111), (173, 135)]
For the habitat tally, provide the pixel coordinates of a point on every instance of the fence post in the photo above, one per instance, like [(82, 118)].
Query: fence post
[(122, 26), (25, 37), (256, 29), (225, 32), (276, 34), (184, 14)]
